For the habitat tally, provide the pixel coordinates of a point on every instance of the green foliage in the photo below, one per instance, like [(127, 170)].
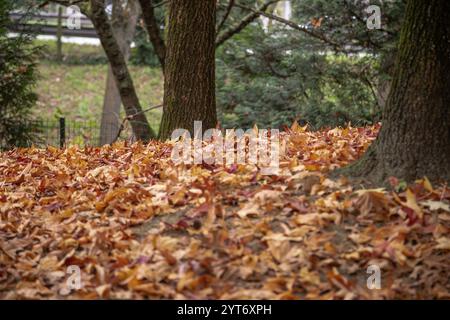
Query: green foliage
[(143, 53), (277, 75), (272, 87), (17, 80)]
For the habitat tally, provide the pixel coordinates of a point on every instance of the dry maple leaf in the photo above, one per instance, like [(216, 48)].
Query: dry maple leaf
[(372, 201)]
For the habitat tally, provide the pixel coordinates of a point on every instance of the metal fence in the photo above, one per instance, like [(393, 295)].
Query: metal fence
[(63, 132)]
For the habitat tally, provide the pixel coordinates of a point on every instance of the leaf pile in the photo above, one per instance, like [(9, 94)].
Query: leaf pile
[(139, 227)]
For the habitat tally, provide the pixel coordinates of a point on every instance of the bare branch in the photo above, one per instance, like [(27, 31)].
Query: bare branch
[(131, 117), (293, 25), (154, 33), (226, 15), (161, 4), (233, 30)]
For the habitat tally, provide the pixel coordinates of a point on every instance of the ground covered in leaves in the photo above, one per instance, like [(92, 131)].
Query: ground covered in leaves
[(139, 227)]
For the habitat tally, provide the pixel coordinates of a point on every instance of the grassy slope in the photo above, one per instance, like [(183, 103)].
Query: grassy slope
[(75, 90)]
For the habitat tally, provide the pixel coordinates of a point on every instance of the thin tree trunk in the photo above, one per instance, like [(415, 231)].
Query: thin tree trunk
[(189, 88), (110, 122), (130, 100), (415, 137), (124, 20), (153, 30)]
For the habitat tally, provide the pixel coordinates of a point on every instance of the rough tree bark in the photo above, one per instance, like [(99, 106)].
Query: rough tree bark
[(124, 83), (189, 88), (415, 137), (123, 22)]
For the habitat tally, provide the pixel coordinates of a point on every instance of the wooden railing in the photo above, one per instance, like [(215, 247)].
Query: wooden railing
[(47, 24)]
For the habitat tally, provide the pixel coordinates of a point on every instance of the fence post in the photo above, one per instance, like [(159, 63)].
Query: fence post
[(62, 132)]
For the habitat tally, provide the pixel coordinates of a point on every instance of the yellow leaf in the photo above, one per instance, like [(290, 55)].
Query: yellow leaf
[(443, 243), (412, 203), (427, 185), (248, 209)]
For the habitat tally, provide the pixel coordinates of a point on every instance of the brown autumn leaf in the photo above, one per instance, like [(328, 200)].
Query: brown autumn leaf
[(374, 201)]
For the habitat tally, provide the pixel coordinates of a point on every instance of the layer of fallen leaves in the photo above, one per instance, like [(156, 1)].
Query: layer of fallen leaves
[(140, 227)]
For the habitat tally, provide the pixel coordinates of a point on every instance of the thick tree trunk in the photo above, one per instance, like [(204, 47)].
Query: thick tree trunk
[(153, 30), (415, 137), (133, 109), (189, 88), (123, 22)]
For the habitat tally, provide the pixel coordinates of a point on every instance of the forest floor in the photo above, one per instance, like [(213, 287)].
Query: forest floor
[(137, 226)]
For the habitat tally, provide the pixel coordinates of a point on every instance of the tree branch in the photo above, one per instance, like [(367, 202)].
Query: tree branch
[(293, 25), (233, 30), (131, 117), (152, 26), (226, 15), (161, 4)]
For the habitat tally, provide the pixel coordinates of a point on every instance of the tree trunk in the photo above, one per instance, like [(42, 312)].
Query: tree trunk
[(110, 122), (414, 141), (189, 87), (124, 83), (124, 20)]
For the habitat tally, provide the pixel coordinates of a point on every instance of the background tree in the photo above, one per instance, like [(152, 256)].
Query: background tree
[(124, 18), (96, 11), (189, 88), (17, 80), (124, 82), (322, 65), (415, 137)]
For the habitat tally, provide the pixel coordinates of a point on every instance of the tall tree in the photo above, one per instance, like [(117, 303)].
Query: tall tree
[(189, 88), (415, 137)]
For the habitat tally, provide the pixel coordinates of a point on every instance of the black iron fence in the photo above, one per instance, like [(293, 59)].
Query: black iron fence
[(63, 132)]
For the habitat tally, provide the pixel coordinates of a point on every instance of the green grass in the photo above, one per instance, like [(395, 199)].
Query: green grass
[(76, 91), (72, 54)]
